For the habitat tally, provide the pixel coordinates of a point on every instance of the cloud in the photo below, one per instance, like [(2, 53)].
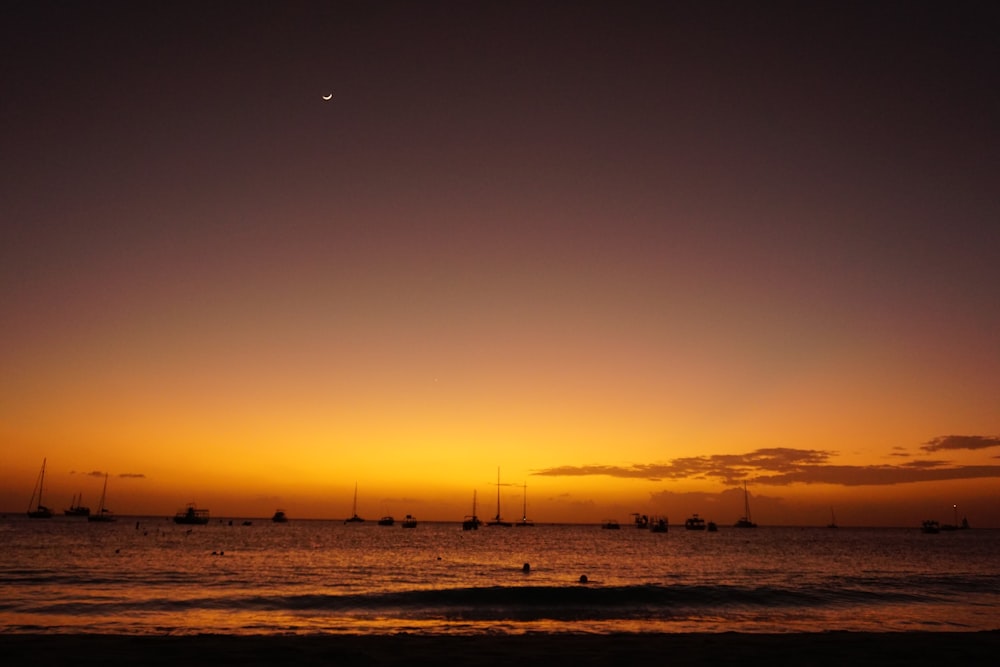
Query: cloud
[(961, 442), (782, 466), (132, 475)]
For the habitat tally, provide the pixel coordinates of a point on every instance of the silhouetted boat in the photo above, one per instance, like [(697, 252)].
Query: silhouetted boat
[(39, 511), (386, 521), (610, 524), (498, 520), (659, 525), (410, 521), (75, 508), (103, 513), (744, 521), (191, 516), (279, 516), (354, 511), (695, 522), (525, 521), (833, 520), (930, 526), (641, 521), (712, 528), (472, 522)]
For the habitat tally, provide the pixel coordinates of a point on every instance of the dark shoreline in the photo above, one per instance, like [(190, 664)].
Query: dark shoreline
[(730, 648)]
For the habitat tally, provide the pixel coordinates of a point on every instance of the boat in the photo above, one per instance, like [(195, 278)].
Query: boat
[(354, 511), (38, 511), (833, 520), (386, 521), (525, 521), (279, 516), (745, 521), (75, 508), (610, 524), (103, 513), (641, 520), (694, 522), (659, 525), (191, 516), (712, 528), (410, 521), (498, 520), (472, 522), (930, 526)]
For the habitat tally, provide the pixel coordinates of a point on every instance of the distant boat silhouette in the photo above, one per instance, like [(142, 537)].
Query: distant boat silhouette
[(354, 511), (39, 511), (75, 508), (472, 521), (498, 520), (694, 522), (525, 521), (386, 521), (103, 514), (610, 524), (833, 520), (659, 525), (744, 521), (410, 521), (712, 527), (279, 516), (930, 526), (641, 521), (191, 516)]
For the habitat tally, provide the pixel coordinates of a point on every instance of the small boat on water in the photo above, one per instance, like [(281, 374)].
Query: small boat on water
[(472, 522), (694, 522), (354, 510), (279, 516), (745, 521), (191, 516), (610, 524), (386, 521), (659, 525), (641, 520), (930, 526), (75, 508), (712, 528), (103, 515), (410, 521), (833, 520), (38, 511)]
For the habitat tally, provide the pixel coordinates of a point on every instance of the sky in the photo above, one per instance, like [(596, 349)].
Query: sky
[(631, 255)]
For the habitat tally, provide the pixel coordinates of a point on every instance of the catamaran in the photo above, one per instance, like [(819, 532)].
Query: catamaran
[(75, 508), (39, 511)]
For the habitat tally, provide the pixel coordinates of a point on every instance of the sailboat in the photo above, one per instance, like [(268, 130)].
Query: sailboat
[(354, 511), (525, 521), (833, 520), (103, 513), (39, 511), (744, 521), (497, 520), (75, 508), (472, 521)]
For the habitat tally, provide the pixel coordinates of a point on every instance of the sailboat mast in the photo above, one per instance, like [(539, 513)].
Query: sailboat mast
[(746, 501), (498, 493), (524, 508)]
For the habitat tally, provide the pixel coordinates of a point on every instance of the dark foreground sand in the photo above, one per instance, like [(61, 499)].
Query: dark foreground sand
[(834, 648)]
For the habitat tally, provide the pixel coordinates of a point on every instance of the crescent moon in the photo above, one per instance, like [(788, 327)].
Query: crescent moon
[(328, 97)]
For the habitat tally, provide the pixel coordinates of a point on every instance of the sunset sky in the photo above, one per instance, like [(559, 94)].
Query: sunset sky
[(633, 254)]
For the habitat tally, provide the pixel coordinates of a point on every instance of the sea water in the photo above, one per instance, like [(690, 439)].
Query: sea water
[(149, 576)]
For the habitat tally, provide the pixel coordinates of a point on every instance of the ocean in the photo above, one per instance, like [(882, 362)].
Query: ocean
[(148, 576)]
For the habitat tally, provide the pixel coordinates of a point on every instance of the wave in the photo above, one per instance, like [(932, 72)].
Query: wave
[(514, 602)]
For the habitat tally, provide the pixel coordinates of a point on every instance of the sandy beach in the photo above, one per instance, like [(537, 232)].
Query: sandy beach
[(835, 648)]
